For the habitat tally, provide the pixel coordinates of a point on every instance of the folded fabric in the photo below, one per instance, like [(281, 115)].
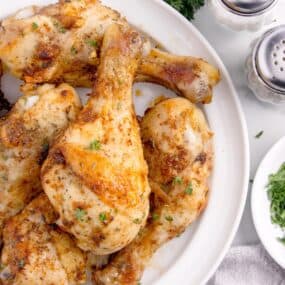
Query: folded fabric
[(248, 265)]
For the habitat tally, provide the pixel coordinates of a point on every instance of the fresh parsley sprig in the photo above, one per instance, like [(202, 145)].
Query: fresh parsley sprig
[(186, 7)]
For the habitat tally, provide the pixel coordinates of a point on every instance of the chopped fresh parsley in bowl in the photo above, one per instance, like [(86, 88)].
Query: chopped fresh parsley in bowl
[(186, 7), (276, 194)]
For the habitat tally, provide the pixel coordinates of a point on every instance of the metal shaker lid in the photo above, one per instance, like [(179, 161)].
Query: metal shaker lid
[(270, 58), (248, 7)]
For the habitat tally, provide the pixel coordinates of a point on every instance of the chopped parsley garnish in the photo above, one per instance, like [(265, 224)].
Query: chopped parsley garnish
[(80, 214), (177, 180), (95, 145), (102, 217), (92, 43), (276, 195), (189, 189), (258, 135), (59, 27), (169, 218), (155, 216), (73, 50), (21, 263), (137, 221), (35, 26)]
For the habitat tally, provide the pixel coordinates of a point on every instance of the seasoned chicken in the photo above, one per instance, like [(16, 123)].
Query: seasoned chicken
[(178, 149), (62, 42), (36, 252), (95, 175), (25, 134)]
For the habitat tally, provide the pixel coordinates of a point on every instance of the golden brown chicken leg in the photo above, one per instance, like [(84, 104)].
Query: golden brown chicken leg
[(61, 42), (95, 175), (36, 252), (25, 135), (187, 76), (178, 149)]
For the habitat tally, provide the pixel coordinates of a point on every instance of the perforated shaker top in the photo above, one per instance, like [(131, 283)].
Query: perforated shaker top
[(270, 58)]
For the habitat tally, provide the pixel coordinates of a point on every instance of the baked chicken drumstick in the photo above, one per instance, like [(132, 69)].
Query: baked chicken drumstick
[(61, 43), (178, 149), (95, 175), (25, 134), (36, 252)]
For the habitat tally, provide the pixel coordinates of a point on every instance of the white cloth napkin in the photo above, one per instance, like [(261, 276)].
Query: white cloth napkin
[(248, 265)]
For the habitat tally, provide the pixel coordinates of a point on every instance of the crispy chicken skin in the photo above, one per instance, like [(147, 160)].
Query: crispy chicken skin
[(95, 175), (178, 149), (62, 42), (25, 134), (37, 253)]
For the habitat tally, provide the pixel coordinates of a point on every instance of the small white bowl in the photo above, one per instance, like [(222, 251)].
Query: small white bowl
[(260, 204)]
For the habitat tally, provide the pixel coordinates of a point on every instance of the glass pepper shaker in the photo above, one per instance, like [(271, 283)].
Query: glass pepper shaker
[(265, 66), (244, 14)]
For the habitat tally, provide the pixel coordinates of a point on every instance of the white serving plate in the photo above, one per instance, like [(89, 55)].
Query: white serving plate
[(194, 257), (260, 204)]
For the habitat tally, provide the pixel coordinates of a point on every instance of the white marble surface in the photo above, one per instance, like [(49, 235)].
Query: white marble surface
[(233, 47)]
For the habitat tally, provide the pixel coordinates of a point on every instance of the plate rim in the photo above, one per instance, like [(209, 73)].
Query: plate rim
[(267, 155), (245, 151), (245, 138)]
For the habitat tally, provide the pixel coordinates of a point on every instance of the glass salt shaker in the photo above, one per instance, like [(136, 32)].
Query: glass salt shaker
[(244, 14), (265, 66)]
